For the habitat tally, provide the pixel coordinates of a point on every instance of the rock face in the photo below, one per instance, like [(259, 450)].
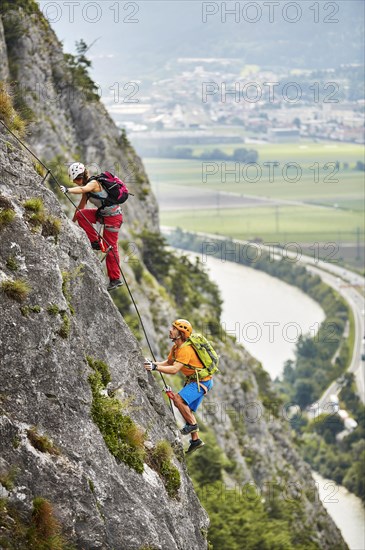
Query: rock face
[(68, 122), (4, 68), (102, 503), (66, 316)]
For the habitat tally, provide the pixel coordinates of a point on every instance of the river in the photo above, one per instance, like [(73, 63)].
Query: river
[(266, 315), (345, 509)]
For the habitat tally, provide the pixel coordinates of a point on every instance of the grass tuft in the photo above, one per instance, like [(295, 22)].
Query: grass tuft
[(34, 205), (53, 309), (51, 227), (40, 531), (35, 210), (38, 168), (45, 532), (8, 113), (17, 290), (124, 439), (100, 367), (37, 216), (65, 329), (41, 442), (7, 479), (91, 485), (7, 213), (6, 217), (43, 518), (12, 264), (26, 310), (160, 460)]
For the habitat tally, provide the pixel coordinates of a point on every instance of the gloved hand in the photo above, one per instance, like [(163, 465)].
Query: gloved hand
[(64, 189), (148, 365)]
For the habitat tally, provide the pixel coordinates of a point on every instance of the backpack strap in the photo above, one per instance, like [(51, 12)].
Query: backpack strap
[(195, 376), (204, 388), (91, 194), (105, 202), (187, 343)]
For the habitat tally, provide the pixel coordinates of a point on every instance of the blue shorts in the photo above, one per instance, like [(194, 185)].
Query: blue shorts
[(191, 394)]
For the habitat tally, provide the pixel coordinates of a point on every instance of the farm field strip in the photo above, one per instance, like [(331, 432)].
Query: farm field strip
[(282, 223)]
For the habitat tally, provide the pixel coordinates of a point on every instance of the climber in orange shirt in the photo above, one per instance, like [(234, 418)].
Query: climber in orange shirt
[(190, 397)]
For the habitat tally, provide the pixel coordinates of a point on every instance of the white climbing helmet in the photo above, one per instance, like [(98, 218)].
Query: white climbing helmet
[(75, 169)]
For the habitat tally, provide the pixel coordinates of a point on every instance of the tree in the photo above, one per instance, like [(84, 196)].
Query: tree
[(306, 347), (304, 393), (184, 153), (244, 155), (288, 372), (78, 66), (81, 49), (328, 426)]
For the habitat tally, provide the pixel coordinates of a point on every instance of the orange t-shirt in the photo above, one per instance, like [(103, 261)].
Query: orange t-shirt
[(186, 355)]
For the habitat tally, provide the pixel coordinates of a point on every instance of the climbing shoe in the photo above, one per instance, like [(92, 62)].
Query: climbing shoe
[(95, 245), (194, 445), (99, 245), (189, 429), (114, 284)]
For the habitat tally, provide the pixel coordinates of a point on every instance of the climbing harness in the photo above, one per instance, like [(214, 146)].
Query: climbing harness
[(101, 238)]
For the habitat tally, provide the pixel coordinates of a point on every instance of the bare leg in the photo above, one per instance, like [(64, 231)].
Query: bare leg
[(184, 409), (186, 413)]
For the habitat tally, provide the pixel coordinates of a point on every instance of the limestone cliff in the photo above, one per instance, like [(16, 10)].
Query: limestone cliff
[(66, 120), (61, 332), (65, 317)]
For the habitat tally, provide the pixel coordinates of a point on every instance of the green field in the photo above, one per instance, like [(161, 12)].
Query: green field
[(303, 151), (166, 174), (283, 224), (338, 188)]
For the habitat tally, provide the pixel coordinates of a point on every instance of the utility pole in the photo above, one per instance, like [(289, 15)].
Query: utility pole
[(358, 243), (277, 218)]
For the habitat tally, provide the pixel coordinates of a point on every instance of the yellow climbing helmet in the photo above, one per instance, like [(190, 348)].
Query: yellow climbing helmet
[(184, 326)]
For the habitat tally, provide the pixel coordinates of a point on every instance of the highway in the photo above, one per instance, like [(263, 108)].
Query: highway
[(357, 303), (351, 286)]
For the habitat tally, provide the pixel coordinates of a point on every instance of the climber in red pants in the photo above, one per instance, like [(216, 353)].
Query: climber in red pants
[(110, 216)]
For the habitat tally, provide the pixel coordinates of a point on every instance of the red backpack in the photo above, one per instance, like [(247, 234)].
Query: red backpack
[(116, 189)]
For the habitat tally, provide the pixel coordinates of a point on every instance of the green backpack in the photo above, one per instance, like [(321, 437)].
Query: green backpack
[(206, 353)]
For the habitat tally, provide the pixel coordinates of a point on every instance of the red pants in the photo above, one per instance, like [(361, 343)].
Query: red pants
[(111, 231)]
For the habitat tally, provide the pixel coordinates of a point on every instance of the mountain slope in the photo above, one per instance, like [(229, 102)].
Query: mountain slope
[(53, 339)]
